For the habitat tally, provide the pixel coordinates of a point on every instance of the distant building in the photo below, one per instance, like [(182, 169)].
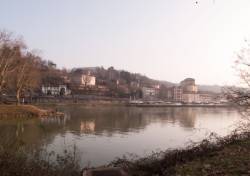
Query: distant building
[(112, 74), (174, 93), (186, 92), (149, 93), (190, 91), (157, 86), (135, 84), (88, 80), (79, 80), (208, 97), (55, 90), (188, 85), (177, 93), (190, 98)]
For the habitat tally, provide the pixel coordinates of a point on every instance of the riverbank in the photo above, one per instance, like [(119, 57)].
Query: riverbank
[(233, 159), (86, 103), (24, 111), (226, 156), (184, 105), (128, 104), (97, 120), (17, 163)]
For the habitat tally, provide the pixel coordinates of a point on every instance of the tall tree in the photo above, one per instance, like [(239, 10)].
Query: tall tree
[(9, 49), (25, 77)]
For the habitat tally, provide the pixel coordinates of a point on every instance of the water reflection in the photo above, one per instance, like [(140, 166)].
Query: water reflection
[(123, 119), (56, 120), (103, 133), (87, 127)]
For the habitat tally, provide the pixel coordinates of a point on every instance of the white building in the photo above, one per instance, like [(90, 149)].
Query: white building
[(150, 93), (56, 90), (88, 80), (81, 81)]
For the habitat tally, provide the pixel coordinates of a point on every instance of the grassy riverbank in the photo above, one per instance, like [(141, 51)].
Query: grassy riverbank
[(19, 164), (226, 156), (49, 108), (24, 111), (233, 159)]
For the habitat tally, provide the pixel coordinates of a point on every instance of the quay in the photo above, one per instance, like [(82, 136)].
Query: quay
[(168, 104)]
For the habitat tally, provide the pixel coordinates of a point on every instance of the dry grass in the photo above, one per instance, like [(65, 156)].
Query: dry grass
[(234, 159), (16, 111), (213, 156), (19, 164)]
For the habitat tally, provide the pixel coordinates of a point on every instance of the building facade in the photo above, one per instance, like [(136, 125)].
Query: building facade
[(190, 91), (189, 85), (190, 98), (177, 94), (56, 90), (186, 91), (88, 80), (149, 93), (81, 81)]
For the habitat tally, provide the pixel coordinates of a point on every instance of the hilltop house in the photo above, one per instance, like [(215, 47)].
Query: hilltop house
[(82, 81)]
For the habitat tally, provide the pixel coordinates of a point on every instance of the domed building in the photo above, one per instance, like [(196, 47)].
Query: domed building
[(188, 85), (190, 91)]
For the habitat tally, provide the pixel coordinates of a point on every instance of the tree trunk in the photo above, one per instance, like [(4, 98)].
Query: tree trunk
[(18, 97)]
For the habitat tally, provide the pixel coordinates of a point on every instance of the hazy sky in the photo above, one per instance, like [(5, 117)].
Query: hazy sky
[(164, 39)]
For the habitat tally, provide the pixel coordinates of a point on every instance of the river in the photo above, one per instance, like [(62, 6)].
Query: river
[(102, 133)]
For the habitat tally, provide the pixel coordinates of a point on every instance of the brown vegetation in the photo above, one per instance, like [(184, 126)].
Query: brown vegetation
[(13, 111), (18, 71), (233, 159), (213, 156), (19, 164)]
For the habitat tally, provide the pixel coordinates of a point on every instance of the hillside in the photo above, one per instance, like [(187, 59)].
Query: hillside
[(210, 88), (111, 74)]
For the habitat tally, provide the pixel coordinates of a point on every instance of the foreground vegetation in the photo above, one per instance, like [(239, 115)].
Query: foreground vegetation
[(19, 164), (213, 156), (234, 159)]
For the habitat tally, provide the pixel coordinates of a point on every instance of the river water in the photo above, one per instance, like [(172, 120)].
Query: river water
[(100, 134)]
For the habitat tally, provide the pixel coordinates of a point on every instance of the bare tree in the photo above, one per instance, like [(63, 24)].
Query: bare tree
[(25, 76), (240, 94), (9, 50)]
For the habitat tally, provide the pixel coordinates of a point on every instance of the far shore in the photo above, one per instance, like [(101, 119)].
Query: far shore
[(47, 109), (184, 105), (128, 104)]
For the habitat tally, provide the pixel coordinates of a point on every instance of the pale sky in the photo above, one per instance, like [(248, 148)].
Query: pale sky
[(163, 39)]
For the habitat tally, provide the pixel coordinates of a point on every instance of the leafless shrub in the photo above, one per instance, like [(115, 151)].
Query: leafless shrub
[(39, 163)]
